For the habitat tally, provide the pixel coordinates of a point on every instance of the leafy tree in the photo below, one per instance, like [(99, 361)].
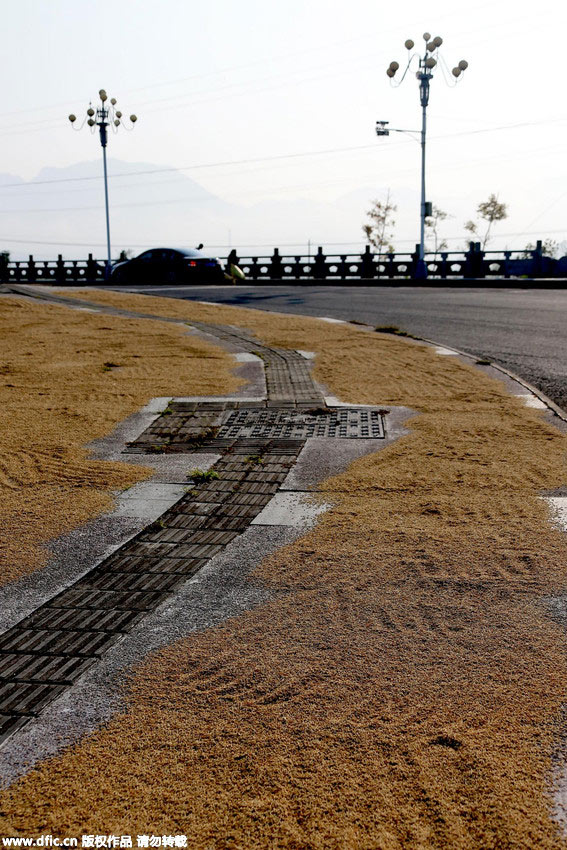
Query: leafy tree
[(489, 211), (432, 223), (379, 230)]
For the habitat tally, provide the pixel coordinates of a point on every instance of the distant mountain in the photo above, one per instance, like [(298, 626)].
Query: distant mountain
[(63, 212), (152, 205), (7, 179)]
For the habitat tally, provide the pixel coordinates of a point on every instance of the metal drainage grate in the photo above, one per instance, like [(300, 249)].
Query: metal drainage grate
[(344, 423)]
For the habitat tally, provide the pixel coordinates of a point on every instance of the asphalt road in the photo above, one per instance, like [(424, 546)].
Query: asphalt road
[(524, 330)]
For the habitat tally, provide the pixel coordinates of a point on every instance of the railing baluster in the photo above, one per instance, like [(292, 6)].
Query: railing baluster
[(474, 264), (31, 275), (275, 269)]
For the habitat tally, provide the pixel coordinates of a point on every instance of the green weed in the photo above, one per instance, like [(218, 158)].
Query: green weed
[(253, 459), (198, 476), (158, 448)]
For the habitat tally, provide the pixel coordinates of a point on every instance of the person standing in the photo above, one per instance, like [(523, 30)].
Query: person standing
[(233, 272)]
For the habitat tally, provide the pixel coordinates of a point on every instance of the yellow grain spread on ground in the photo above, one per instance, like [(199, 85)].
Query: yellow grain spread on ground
[(57, 394), (402, 688)]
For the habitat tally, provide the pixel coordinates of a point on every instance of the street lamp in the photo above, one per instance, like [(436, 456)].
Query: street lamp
[(102, 117), (424, 74)]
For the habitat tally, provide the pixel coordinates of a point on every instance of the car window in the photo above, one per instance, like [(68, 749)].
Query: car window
[(160, 255)]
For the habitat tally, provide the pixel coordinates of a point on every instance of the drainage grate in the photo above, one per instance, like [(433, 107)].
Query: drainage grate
[(180, 433), (344, 423), (295, 410)]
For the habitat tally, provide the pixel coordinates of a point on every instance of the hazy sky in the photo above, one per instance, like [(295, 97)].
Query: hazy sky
[(221, 82)]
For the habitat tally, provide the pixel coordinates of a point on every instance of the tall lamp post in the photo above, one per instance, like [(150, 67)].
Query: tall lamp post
[(102, 117), (424, 74)]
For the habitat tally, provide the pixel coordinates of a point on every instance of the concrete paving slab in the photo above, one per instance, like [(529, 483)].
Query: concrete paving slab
[(153, 490), (446, 351), (559, 797), (213, 398), (531, 400), (173, 468), (246, 357), (156, 405), (333, 401), (146, 509), (251, 371), (293, 509), (558, 510)]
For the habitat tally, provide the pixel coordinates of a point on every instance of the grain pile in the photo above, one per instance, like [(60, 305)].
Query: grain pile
[(403, 686), (66, 378)]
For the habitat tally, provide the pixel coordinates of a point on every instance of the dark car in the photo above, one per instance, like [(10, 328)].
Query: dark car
[(169, 265)]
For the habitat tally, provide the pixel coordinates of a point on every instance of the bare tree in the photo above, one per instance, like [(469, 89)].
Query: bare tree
[(489, 211), (379, 230), (549, 248), (432, 223)]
